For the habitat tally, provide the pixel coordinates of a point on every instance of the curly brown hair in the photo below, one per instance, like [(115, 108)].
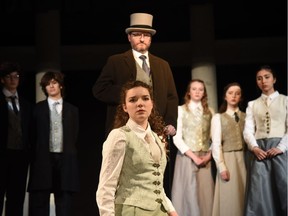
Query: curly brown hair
[(155, 120)]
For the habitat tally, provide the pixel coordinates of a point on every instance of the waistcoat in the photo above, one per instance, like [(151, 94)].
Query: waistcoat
[(56, 132), (14, 138), (195, 135), (142, 76), (232, 132), (270, 121), (141, 179)]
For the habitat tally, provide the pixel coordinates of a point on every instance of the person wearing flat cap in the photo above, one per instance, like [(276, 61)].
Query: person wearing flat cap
[(138, 64), (15, 140)]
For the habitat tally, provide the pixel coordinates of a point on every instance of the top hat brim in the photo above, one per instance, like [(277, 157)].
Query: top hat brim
[(140, 29)]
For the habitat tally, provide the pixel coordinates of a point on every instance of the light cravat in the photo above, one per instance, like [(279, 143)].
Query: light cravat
[(144, 64), (267, 101), (154, 148)]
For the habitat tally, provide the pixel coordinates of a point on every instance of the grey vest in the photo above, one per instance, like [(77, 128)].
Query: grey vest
[(56, 131)]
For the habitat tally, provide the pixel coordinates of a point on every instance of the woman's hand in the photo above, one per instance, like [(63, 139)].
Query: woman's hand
[(173, 213), (259, 153), (170, 130), (225, 175), (197, 160), (207, 158), (273, 152)]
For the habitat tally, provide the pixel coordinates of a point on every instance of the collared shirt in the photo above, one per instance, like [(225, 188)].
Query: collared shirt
[(216, 134), (138, 60), (250, 126), (59, 106), (113, 154), (8, 94), (268, 99)]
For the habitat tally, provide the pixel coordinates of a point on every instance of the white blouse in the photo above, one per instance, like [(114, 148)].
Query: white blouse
[(112, 160)]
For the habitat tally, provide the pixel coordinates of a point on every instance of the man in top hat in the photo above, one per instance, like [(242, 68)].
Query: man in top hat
[(15, 140), (138, 64)]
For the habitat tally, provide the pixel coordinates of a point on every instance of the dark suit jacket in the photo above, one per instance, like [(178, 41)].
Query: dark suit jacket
[(40, 171), (26, 117), (121, 68)]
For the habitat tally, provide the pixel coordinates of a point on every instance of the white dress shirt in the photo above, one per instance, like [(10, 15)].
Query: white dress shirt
[(59, 106), (138, 60)]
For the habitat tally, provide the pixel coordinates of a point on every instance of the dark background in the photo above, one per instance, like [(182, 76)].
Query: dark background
[(94, 23)]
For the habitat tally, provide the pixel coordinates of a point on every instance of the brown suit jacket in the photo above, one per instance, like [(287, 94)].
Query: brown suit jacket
[(121, 68)]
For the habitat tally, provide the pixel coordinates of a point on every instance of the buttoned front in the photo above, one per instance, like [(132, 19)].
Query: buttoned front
[(270, 121), (140, 182), (232, 140)]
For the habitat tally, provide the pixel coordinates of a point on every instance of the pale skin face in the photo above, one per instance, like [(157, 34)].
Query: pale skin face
[(233, 97), (265, 81), (196, 91), (138, 105), (11, 81), (140, 41), (53, 90)]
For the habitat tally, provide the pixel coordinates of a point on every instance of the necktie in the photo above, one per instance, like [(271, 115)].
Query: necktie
[(198, 114), (154, 148), (236, 117), (55, 107), (15, 109), (144, 65)]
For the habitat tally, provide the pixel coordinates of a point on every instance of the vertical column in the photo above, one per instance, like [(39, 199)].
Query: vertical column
[(202, 39), (206, 72), (48, 49), (48, 45)]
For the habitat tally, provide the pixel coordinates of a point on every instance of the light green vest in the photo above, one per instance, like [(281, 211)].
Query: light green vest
[(141, 179)]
